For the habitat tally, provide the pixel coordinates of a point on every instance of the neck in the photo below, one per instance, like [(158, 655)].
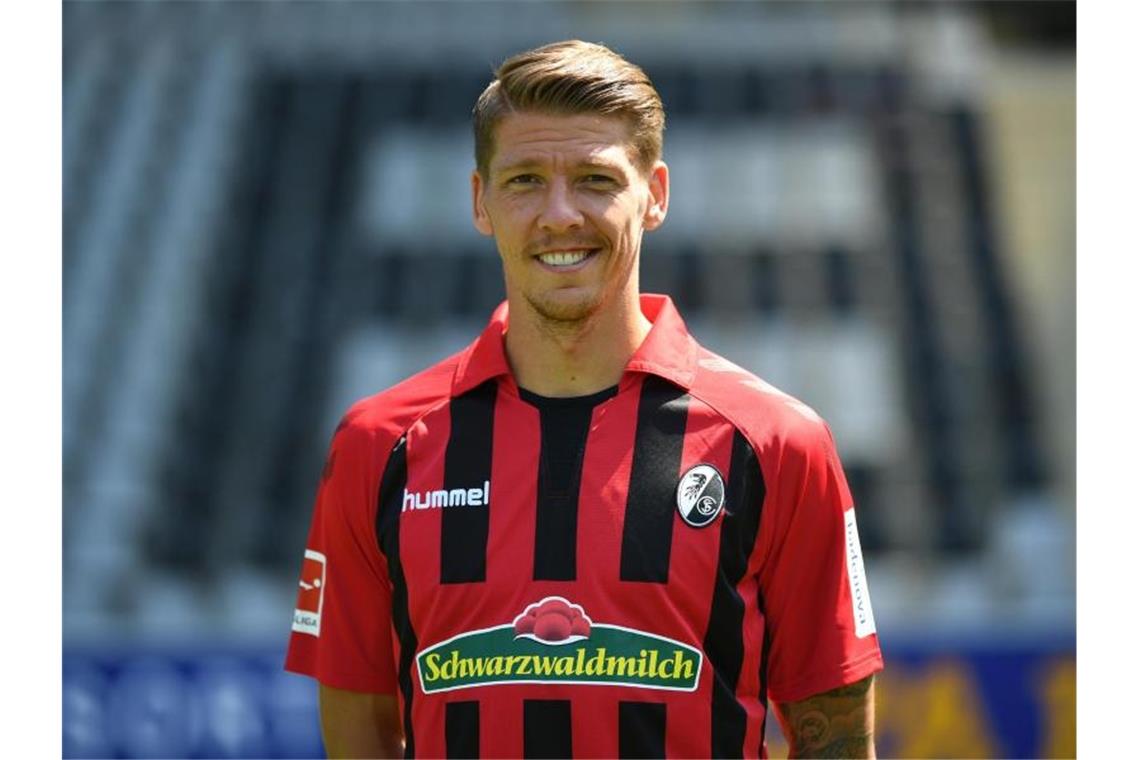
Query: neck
[(573, 358)]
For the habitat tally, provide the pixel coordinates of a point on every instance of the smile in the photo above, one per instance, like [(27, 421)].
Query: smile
[(565, 259)]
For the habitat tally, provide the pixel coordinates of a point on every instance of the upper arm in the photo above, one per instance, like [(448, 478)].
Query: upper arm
[(813, 589), (342, 629), (835, 723), (823, 646), (360, 724)]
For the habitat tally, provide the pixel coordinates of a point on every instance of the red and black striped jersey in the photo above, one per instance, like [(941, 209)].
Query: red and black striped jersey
[(629, 574)]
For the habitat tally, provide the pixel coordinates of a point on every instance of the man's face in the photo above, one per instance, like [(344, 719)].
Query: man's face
[(567, 207)]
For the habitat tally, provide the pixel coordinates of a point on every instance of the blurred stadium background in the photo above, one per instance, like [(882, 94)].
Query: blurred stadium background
[(266, 217)]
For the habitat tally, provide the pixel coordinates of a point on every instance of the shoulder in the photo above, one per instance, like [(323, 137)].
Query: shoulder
[(380, 419), (775, 423)]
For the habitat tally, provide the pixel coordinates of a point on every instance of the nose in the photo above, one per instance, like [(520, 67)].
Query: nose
[(560, 210)]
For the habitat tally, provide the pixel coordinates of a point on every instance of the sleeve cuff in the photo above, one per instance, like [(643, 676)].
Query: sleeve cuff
[(819, 682), (348, 680)]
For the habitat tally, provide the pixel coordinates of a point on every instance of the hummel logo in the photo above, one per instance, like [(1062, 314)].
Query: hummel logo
[(456, 497)]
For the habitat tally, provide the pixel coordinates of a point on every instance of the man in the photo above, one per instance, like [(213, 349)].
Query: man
[(583, 535)]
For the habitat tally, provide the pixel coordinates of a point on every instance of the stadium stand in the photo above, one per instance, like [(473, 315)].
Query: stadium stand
[(254, 195), (234, 211)]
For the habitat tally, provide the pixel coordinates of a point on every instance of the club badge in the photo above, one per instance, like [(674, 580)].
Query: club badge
[(700, 495)]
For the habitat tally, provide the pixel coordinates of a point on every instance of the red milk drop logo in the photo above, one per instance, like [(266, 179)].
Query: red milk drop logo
[(553, 620)]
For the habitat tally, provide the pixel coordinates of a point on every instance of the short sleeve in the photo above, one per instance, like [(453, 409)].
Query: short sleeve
[(342, 627), (818, 617)]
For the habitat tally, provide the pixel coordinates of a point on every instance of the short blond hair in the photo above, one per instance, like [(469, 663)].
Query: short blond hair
[(571, 78)]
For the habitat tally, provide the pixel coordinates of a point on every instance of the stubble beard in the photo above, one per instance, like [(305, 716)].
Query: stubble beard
[(559, 318), (562, 318)]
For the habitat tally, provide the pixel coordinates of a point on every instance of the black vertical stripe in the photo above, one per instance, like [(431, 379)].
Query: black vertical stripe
[(763, 670), (724, 640), (565, 427), (461, 729), (641, 729), (648, 532), (546, 728), (389, 504), (467, 464)]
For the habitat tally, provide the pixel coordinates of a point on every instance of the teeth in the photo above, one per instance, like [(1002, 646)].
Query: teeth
[(562, 259)]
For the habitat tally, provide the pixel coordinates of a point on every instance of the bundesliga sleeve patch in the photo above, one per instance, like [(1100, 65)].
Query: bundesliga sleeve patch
[(310, 597), (857, 578)]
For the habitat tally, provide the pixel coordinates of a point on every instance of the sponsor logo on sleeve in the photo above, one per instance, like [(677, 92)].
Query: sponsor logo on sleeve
[(857, 579), (555, 641), (311, 595)]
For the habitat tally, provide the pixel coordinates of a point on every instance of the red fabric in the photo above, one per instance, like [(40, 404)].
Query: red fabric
[(354, 650), (795, 591), (800, 559)]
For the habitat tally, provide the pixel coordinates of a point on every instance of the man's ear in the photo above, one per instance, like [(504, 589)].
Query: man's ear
[(478, 210), (658, 196)]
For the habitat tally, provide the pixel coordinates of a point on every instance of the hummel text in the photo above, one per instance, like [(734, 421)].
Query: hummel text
[(455, 497)]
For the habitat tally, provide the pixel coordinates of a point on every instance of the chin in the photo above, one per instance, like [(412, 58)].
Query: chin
[(565, 309)]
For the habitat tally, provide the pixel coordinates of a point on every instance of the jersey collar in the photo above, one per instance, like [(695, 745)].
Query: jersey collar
[(669, 351)]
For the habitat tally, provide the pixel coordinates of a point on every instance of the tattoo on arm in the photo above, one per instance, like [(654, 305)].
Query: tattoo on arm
[(836, 723)]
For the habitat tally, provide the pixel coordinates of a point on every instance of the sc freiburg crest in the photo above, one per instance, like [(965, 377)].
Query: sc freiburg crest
[(700, 495)]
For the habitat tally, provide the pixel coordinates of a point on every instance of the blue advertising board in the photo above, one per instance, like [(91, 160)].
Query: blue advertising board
[(158, 701), (990, 697)]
